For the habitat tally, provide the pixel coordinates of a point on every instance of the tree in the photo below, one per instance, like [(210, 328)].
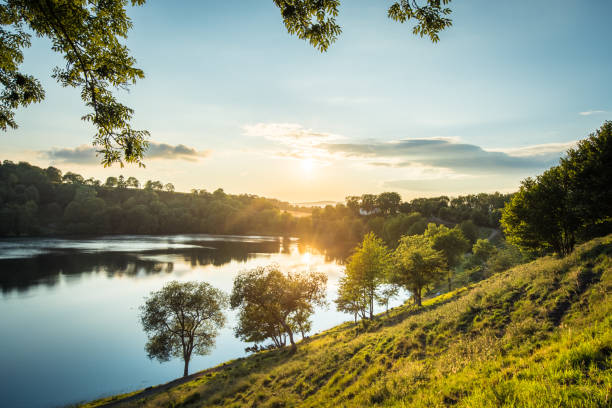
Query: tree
[(182, 318), (402, 224), (469, 230), (272, 304), (389, 202), (368, 203), (314, 20), (132, 182), (111, 182), (54, 174), (153, 185), (417, 265), (451, 242), (353, 203), (482, 251), (541, 216), (73, 178), (169, 187), (388, 292), (90, 35), (121, 183), (365, 273), (590, 173), (567, 202), (351, 298)]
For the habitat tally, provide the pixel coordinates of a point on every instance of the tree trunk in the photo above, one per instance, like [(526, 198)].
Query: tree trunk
[(290, 333), (417, 297), (449, 282), (186, 370), (371, 306)]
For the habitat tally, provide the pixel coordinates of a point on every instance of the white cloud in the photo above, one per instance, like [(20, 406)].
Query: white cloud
[(538, 150), (592, 112), (288, 133)]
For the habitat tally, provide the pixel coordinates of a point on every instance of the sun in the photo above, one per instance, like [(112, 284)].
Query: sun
[(307, 165)]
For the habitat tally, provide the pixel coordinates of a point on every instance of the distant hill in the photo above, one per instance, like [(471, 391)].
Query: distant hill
[(316, 203), (536, 335)]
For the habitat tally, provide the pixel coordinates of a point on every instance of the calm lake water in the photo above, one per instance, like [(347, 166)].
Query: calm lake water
[(69, 326)]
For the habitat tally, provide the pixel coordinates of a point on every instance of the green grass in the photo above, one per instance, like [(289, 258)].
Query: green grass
[(537, 335)]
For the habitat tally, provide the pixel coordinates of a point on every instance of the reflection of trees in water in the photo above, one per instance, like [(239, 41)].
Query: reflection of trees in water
[(227, 251), (338, 252), (45, 269), (21, 274)]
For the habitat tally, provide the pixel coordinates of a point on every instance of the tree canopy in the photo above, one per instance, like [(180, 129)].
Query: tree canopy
[(273, 305), (416, 265), (568, 202), (91, 35), (451, 242), (182, 318), (365, 277)]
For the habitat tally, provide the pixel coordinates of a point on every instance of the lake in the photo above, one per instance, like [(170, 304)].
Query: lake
[(69, 321)]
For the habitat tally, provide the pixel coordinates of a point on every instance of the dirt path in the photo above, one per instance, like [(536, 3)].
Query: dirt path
[(493, 234)]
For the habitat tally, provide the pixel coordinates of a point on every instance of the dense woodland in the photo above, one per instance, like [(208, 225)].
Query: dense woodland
[(36, 201)]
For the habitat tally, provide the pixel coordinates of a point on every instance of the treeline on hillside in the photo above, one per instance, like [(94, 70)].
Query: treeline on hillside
[(390, 218), (43, 201), (36, 201)]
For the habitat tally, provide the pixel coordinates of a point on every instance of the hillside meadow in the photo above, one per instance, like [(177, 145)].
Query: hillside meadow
[(536, 335)]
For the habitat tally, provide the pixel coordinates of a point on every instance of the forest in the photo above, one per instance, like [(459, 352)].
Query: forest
[(36, 201)]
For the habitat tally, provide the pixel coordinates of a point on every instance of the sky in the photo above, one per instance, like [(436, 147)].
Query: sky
[(233, 101)]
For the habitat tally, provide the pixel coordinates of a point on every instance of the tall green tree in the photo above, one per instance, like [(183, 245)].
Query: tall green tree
[(451, 242), (416, 264), (541, 215), (366, 272), (589, 169), (182, 319), (567, 202)]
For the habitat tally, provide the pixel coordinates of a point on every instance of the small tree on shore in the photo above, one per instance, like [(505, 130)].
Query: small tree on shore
[(272, 304), (366, 273), (182, 318)]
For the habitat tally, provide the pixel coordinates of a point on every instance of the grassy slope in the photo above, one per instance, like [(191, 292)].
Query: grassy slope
[(536, 335)]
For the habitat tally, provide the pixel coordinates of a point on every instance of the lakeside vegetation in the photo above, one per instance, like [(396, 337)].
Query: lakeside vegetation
[(536, 335), (434, 353)]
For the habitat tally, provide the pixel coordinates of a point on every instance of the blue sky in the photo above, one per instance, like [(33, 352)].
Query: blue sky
[(233, 101)]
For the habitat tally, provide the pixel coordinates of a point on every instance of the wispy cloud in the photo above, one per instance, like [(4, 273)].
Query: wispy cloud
[(288, 133), (461, 158), (418, 164), (293, 141), (86, 154), (554, 149), (592, 112)]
